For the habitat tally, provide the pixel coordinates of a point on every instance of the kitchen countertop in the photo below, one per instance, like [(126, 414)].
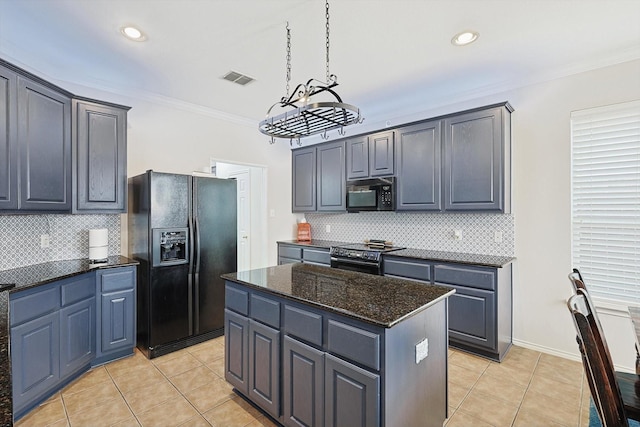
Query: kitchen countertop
[(21, 278), (379, 300), (426, 254)]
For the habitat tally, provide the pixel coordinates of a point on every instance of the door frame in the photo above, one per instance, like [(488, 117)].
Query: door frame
[(258, 193)]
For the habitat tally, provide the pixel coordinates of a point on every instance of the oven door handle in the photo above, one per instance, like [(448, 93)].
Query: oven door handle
[(353, 261)]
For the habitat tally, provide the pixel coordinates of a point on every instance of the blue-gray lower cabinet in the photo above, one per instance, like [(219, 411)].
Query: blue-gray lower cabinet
[(236, 347), (52, 337), (35, 358), (480, 312), (116, 313), (264, 367), (351, 396), (303, 385), (77, 336)]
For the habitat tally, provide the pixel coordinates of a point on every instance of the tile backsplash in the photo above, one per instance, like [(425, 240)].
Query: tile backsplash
[(69, 237), (434, 231)]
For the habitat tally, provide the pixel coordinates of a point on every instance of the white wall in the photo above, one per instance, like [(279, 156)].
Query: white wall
[(542, 198)]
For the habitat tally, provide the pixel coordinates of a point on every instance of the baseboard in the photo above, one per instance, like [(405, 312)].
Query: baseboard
[(564, 354)]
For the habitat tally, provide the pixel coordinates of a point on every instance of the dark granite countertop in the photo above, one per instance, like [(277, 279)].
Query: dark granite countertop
[(22, 278), (316, 243), (457, 257), (379, 300), (426, 254)]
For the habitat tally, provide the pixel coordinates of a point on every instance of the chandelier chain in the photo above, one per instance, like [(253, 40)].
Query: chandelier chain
[(288, 57), (327, 25)]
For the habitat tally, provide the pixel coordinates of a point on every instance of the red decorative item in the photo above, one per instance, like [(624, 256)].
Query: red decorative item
[(304, 232)]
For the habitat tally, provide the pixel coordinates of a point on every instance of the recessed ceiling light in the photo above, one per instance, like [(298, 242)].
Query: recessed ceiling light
[(464, 38), (132, 33)]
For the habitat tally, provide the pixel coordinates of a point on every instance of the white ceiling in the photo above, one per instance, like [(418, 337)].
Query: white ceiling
[(386, 53)]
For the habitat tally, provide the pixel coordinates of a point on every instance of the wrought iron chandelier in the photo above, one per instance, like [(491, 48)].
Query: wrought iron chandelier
[(303, 117)]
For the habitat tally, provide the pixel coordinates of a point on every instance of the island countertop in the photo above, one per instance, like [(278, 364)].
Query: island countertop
[(379, 300)]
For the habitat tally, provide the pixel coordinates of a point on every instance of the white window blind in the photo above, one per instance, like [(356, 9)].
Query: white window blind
[(606, 199)]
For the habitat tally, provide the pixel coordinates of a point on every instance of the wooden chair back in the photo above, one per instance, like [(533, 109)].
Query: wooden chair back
[(597, 361)]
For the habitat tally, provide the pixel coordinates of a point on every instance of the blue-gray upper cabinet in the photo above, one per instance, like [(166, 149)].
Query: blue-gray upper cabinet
[(331, 184), (116, 329), (371, 156), (44, 141), (318, 181), (304, 180), (8, 141), (100, 157), (476, 168), (418, 153)]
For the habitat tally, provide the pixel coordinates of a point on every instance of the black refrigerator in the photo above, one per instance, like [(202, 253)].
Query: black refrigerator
[(182, 230)]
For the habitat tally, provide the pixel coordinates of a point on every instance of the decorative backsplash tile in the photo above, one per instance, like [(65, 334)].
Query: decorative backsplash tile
[(68, 237), (433, 231)]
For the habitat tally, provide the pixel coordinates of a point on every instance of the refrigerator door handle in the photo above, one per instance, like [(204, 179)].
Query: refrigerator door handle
[(197, 233), (196, 275)]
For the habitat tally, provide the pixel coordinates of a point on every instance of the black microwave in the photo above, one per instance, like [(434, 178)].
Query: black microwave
[(377, 194)]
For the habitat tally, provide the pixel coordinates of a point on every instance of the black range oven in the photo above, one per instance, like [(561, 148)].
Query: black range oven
[(360, 257)]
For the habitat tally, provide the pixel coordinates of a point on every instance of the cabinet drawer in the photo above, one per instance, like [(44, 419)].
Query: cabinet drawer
[(117, 280), (303, 324), (78, 289), (35, 303), (236, 299), (316, 255), (465, 276), (283, 260), (265, 310), (290, 252), (354, 343), (410, 269)]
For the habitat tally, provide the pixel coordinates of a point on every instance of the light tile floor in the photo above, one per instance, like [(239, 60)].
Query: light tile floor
[(187, 388)]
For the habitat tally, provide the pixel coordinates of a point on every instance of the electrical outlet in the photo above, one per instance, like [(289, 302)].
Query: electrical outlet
[(457, 234), (328, 228), (44, 241), (497, 237), (422, 350)]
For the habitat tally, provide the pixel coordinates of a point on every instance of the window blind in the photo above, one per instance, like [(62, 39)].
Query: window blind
[(605, 186)]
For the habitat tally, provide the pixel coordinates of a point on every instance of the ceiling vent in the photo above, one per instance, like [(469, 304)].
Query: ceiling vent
[(238, 78)]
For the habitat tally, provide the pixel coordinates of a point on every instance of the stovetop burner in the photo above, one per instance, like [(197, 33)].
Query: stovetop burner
[(370, 247)]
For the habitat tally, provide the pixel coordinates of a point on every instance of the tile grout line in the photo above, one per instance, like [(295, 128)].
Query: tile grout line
[(526, 390)]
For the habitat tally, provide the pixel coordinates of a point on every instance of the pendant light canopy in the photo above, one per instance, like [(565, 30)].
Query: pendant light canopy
[(296, 116)]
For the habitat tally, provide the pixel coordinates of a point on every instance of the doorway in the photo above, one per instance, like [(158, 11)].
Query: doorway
[(252, 210)]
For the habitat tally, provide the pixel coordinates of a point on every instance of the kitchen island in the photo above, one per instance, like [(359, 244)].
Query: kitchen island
[(312, 345)]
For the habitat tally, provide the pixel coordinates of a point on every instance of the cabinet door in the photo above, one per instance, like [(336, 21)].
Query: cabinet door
[(418, 176), (331, 177), (8, 140), (381, 153), (352, 395), (100, 155), (236, 348), (473, 161), (77, 336), (35, 358), (357, 158), (118, 321), (303, 398), (264, 367), (472, 317), (304, 180), (44, 141)]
